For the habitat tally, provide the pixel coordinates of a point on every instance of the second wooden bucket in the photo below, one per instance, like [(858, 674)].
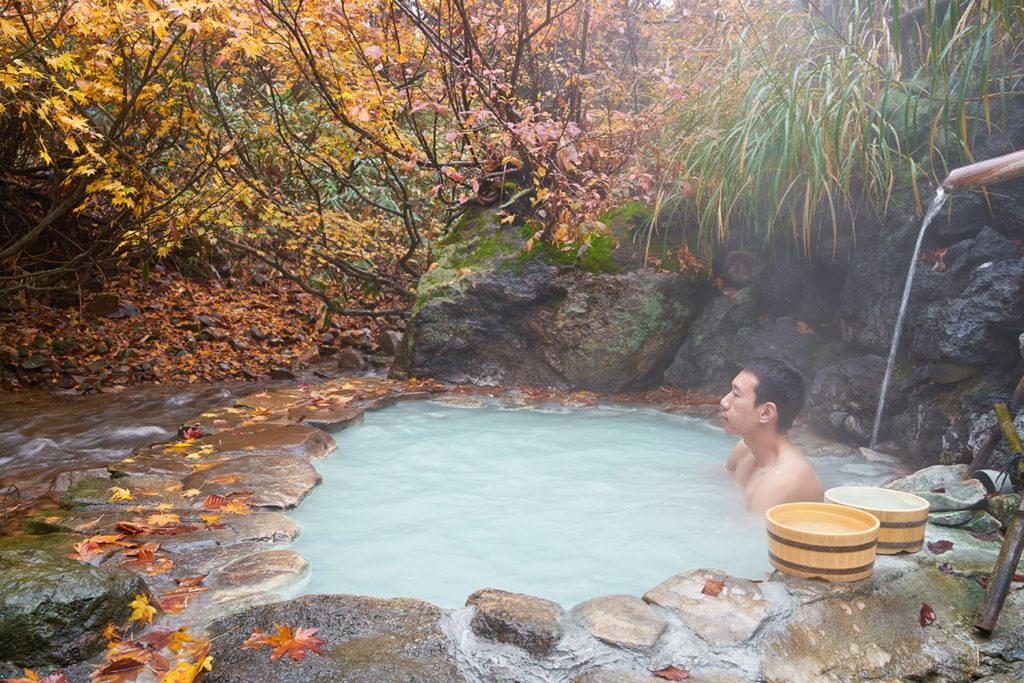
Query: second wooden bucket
[(822, 540), (902, 516)]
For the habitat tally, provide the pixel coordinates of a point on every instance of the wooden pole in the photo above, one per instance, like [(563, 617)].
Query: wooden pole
[(1013, 543), (1002, 575)]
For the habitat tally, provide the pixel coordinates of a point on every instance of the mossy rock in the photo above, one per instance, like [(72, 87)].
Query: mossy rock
[(53, 609), (59, 544)]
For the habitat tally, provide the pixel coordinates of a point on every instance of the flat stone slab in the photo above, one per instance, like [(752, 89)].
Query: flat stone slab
[(272, 401), (963, 495), (369, 640), (621, 620), (98, 493), (232, 529), (929, 478), (270, 481), (726, 617), (530, 623), (289, 439), (329, 418), (259, 573)]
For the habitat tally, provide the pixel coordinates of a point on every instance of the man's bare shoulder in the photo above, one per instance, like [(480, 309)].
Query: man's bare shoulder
[(791, 480)]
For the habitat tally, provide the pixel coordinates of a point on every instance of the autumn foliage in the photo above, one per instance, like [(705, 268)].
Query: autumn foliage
[(332, 142)]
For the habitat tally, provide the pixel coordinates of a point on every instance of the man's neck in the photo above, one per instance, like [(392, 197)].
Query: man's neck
[(764, 445)]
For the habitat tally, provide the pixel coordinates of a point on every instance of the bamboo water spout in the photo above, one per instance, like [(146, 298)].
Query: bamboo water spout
[(983, 173)]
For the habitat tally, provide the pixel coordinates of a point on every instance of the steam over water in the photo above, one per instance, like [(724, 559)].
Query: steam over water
[(433, 501)]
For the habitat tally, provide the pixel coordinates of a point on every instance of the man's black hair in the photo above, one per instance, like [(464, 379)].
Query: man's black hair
[(780, 383)]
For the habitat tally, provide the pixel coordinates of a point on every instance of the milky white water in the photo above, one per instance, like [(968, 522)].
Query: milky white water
[(433, 501)]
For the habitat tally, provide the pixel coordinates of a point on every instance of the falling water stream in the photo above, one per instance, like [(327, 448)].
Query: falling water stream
[(933, 209)]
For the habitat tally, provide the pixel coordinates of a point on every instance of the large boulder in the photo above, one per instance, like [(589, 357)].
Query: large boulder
[(492, 312), (53, 609), (368, 639)]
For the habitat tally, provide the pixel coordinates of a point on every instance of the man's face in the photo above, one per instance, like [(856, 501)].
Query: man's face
[(737, 409)]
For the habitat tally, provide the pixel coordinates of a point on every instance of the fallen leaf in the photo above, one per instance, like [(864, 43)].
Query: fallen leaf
[(946, 568), (982, 537), (119, 671), (927, 614), (982, 581), (939, 547), (671, 673), (119, 494), (802, 328), (939, 490), (285, 641), (87, 525), (163, 519), (141, 609), (713, 587)]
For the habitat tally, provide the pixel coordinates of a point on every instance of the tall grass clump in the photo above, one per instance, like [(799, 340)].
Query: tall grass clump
[(814, 117)]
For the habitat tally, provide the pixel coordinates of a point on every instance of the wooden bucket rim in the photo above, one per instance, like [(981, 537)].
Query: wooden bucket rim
[(833, 509), (923, 505)]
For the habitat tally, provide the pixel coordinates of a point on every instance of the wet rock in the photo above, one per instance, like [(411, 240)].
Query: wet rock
[(389, 341), (511, 321), (233, 529), (843, 398), (963, 495), (369, 641), (929, 478), (258, 576), (272, 401), (873, 630), (729, 618), (982, 523), (267, 481), (351, 359), (530, 623), (64, 480), (979, 327), (97, 493), (1003, 507), (53, 610), (298, 440), (953, 518), (330, 418), (705, 359), (950, 373), (620, 620), (282, 373)]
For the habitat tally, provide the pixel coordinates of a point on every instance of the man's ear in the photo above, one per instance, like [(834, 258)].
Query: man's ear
[(767, 412)]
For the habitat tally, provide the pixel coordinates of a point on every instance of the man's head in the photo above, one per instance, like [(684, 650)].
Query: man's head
[(765, 392), (780, 383)]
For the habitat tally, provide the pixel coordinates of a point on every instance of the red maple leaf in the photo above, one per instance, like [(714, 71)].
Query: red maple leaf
[(927, 614), (939, 547), (671, 673), (713, 587), (285, 641)]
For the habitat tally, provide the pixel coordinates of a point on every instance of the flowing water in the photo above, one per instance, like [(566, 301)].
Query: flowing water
[(434, 501), (933, 209), (44, 435)]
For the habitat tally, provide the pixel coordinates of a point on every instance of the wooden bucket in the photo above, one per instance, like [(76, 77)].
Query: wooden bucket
[(902, 516), (822, 540)]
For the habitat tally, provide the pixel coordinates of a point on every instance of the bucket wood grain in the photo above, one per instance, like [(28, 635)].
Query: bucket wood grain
[(822, 540), (902, 516)]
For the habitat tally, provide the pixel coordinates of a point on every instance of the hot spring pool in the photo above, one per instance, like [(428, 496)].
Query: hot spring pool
[(433, 501)]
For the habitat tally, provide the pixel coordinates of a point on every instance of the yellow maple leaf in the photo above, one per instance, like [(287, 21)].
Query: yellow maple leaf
[(110, 632), (141, 609), (190, 493), (211, 519), (163, 519), (119, 494)]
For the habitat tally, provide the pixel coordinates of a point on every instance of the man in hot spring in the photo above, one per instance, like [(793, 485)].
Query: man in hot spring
[(765, 397)]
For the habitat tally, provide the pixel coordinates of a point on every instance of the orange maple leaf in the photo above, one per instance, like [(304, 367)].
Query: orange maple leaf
[(32, 677), (285, 641), (802, 328)]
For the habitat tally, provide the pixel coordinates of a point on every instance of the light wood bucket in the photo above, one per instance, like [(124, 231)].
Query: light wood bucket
[(902, 516), (822, 540)]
